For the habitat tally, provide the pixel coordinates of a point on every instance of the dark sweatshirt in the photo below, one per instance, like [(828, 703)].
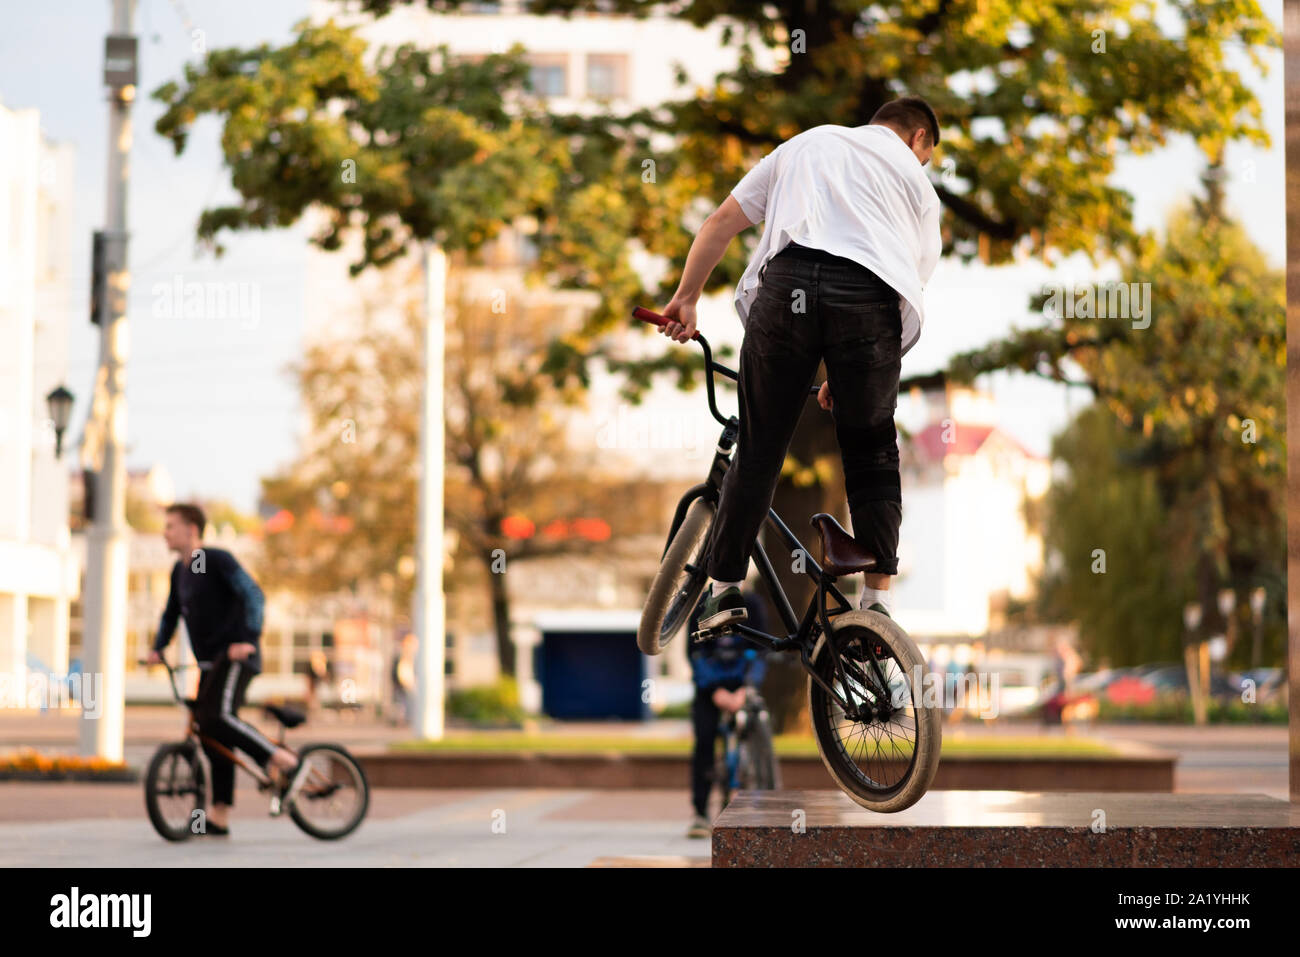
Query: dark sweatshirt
[(220, 602)]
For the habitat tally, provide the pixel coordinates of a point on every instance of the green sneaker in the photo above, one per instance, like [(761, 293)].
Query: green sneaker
[(724, 609)]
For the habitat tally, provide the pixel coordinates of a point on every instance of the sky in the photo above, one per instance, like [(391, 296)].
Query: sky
[(212, 400)]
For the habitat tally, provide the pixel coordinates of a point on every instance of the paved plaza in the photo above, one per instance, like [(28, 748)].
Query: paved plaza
[(77, 824)]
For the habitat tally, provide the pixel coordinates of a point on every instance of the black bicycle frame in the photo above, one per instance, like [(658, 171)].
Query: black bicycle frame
[(801, 634)]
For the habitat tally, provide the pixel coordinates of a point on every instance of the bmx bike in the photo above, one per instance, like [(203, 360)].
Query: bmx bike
[(327, 797), (747, 759), (878, 735)]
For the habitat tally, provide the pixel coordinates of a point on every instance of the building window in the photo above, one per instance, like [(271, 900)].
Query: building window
[(549, 74), (607, 75)]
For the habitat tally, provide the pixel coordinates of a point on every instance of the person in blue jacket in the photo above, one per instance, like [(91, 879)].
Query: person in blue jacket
[(720, 668)]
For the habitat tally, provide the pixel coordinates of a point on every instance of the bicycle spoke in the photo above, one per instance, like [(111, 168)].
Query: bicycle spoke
[(332, 794), (873, 748)]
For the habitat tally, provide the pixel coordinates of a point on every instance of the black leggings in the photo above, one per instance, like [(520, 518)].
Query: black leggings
[(804, 311), (220, 695)]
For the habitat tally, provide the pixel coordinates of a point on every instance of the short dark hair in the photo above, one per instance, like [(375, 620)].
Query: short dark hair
[(189, 513), (909, 113)]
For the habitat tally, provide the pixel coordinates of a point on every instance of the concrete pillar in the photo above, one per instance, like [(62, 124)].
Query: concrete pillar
[(13, 641), (530, 692)]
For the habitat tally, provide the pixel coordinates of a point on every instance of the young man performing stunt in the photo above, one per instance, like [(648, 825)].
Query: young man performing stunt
[(851, 236)]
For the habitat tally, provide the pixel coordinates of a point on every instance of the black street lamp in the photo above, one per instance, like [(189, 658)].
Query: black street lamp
[(60, 405)]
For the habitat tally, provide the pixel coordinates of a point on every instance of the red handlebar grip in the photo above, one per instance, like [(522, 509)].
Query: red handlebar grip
[(645, 315)]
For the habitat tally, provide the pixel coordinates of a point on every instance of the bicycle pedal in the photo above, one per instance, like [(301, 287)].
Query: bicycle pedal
[(708, 634)]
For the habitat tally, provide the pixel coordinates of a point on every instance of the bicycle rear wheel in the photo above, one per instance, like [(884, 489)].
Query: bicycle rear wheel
[(680, 581), (175, 790), (334, 795), (885, 758), (722, 771)]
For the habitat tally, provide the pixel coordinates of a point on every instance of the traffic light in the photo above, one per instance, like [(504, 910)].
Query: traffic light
[(88, 495), (98, 275)]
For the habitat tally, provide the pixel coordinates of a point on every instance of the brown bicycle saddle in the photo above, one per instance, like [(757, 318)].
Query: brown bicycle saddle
[(842, 554)]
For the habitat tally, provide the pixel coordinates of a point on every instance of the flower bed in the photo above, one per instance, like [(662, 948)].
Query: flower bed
[(28, 764)]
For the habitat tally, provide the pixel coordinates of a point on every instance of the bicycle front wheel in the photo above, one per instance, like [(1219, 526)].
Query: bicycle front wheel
[(175, 791), (333, 797), (885, 754), (762, 773), (680, 581), (722, 773)]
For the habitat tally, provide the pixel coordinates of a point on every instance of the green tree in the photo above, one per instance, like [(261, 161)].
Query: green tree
[(1110, 567), (418, 146), (1197, 388), (349, 497), (1037, 101)]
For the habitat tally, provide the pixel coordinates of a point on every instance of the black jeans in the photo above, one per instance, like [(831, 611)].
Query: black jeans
[(705, 719), (220, 695), (806, 310)]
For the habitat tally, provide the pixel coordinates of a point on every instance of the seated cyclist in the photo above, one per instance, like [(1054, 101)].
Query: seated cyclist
[(720, 668)]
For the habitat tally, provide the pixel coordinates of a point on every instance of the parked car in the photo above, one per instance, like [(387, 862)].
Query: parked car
[(1097, 682), (1270, 683), (1172, 679)]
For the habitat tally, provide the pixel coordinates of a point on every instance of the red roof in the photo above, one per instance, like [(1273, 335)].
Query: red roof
[(966, 440), (929, 442)]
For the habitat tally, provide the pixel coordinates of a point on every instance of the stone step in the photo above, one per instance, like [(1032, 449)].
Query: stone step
[(1009, 829)]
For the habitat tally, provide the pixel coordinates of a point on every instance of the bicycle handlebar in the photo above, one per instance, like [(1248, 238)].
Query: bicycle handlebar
[(171, 671), (656, 319)]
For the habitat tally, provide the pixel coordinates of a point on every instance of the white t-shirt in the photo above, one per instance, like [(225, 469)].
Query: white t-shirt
[(856, 192)]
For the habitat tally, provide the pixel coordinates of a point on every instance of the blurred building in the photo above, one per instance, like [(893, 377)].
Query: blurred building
[(37, 574), (970, 546), (148, 492), (967, 546)]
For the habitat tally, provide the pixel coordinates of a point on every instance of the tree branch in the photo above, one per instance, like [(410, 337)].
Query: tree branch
[(972, 214)]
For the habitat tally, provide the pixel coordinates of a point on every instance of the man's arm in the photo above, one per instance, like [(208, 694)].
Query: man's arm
[(171, 615), (249, 595), (707, 249)]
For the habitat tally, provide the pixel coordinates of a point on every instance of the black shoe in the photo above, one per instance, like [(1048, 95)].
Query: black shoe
[(724, 609), (216, 830)]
